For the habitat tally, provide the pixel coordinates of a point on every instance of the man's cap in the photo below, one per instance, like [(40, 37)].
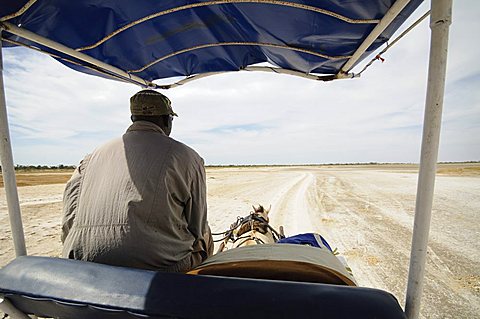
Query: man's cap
[(150, 103)]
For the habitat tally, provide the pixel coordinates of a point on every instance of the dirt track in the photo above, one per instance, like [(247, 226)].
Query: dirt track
[(367, 213)]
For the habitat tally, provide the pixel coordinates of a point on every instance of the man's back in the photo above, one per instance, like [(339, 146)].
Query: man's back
[(137, 201)]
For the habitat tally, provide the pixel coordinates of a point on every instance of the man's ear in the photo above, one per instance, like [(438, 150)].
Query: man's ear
[(168, 126), (166, 121)]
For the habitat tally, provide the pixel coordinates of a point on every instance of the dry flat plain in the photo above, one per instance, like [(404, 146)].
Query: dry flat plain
[(366, 212)]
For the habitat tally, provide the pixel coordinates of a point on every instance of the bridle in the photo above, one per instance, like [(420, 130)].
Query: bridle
[(240, 230)]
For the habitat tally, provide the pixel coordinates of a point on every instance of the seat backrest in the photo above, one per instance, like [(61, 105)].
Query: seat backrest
[(54, 287)]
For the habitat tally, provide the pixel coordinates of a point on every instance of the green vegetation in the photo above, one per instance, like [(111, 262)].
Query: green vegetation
[(29, 168)]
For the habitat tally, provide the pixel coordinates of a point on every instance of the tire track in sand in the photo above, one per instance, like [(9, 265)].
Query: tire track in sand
[(377, 246), (291, 210)]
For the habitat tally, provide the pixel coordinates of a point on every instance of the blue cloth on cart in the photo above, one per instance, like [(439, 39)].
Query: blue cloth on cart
[(310, 239)]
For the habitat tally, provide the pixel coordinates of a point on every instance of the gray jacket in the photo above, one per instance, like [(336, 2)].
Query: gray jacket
[(138, 201)]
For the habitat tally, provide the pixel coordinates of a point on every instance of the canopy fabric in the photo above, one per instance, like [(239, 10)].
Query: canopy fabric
[(160, 39)]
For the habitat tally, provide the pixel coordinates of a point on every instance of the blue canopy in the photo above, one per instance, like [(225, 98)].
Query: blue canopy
[(160, 39)]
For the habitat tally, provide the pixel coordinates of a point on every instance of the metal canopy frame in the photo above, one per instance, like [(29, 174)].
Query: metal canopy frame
[(128, 76), (440, 20), (100, 66), (391, 14)]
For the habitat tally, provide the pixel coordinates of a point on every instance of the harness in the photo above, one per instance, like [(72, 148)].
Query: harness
[(252, 222)]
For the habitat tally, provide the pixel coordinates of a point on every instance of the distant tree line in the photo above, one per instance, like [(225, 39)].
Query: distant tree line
[(42, 167)]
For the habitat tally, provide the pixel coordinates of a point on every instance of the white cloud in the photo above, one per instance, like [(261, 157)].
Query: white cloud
[(58, 115)]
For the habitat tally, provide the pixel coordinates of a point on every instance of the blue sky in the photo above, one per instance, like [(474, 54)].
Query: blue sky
[(58, 115)]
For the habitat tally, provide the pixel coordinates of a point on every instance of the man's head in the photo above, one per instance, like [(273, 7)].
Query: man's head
[(152, 106)]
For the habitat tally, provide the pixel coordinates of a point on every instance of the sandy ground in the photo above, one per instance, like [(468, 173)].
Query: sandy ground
[(366, 212)]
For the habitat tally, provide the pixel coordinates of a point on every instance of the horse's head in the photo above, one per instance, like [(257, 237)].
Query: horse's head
[(250, 230)]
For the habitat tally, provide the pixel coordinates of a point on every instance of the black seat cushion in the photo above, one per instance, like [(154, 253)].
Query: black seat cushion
[(54, 287)]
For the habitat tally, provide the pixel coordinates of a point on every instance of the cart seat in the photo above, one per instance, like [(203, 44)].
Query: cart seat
[(55, 287)]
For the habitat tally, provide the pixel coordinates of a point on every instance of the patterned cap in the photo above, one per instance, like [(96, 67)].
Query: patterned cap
[(150, 103)]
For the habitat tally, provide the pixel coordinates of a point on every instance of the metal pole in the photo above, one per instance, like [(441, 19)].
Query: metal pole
[(25, 34), (440, 21), (387, 19), (8, 171)]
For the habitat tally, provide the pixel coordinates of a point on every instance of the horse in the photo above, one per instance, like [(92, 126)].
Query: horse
[(261, 257), (253, 229)]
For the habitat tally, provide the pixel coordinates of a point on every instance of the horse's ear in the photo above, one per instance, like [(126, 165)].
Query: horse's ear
[(254, 209), (261, 209), (268, 210)]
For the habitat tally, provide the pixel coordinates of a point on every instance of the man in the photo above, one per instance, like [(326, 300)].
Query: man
[(139, 200)]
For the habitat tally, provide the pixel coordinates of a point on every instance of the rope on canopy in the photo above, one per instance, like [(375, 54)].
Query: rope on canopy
[(389, 45), (209, 45), (31, 36), (387, 19), (19, 12), (127, 76), (221, 2)]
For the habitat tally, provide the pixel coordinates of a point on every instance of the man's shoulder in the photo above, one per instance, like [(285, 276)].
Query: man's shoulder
[(113, 143), (182, 150)]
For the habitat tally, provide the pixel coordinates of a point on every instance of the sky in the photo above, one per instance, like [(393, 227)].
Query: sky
[(58, 115)]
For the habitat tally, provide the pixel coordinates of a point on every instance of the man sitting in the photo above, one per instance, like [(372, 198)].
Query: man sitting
[(139, 200)]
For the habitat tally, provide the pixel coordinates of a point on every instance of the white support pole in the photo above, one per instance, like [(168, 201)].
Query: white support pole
[(440, 20), (8, 171)]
